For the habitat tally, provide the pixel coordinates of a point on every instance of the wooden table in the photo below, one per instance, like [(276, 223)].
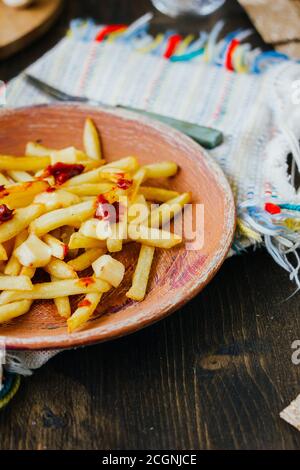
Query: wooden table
[(214, 375)]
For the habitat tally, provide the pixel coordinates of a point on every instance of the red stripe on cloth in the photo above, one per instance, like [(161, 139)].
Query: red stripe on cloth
[(107, 30), (172, 45), (228, 61)]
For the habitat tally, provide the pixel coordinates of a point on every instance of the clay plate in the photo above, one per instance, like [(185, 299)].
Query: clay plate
[(177, 275)]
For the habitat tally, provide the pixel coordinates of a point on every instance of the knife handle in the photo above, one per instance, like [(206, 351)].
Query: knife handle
[(208, 137)]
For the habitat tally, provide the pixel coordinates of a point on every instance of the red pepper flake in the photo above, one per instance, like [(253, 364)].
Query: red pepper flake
[(84, 303), (3, 191), (110, 212), (51, 189), (123, 183), (272, 208), (5, 213), (62, 172), (87, 281), (66, 250)]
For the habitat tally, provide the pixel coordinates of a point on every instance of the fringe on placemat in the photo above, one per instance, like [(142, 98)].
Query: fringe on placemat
[(231, 52), (277, 227)]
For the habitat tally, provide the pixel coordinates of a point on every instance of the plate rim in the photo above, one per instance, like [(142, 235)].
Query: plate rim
[(90, 336)]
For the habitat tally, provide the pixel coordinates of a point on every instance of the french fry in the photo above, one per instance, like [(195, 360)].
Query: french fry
[(33, 149), (7, 296), (58, 199), (80, 241), (161, 170), (138, 210), (16, 309), (62, 304), (84, 311), (58, 249), (128, 164), (91, 140), (3, 180), (3, 254), (9, 246), (167, 211), (141, 274), (21, 195), (52, 290), (138, 179), (20, 176), (153, 236), (91, 189), (109, 269), (33, 252), (60, 270), (86, 259), (8, 162), (13, 266), (21, 219), (22, 283), (119, 230), (89, 228), (157, 194), (67, 216), (69, 155)]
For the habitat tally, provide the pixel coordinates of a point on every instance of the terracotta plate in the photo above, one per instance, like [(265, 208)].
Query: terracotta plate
[(177, 275)]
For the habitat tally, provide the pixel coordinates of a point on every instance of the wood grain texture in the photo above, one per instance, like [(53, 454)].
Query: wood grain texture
[(19, 27), (214, 375)]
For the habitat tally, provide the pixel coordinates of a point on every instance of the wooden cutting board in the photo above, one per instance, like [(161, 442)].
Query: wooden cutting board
[(19, 27)]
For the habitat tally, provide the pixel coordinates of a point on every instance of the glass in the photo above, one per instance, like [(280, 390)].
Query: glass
[(181, 7)]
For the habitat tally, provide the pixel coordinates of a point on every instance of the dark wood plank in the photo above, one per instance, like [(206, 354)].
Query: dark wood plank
[(214, 375)]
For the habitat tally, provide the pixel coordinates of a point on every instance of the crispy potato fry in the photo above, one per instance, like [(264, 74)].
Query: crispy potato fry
[(167, 211), (14, 310), (63, 305), (58, 199), (33, 149), (109, 269), (3, 180), (33, 252), (21, 219), (80, 241), (3, 254), (7, 296), (91, 189), (138, 179), (60, 270), (20, 176), (13, 266), (91, 140), (22, 283), (153, 236), (21, 195), (67, 216), (161, 170), (138, 210), (84, 311), (8, 162), (127, 164), (52, 290), (58, 249), (89, 228), (69, 155), (157, 194), (141, 274), (86, 259)]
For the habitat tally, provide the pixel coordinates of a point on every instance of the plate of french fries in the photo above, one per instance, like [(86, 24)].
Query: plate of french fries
[(109, 221)]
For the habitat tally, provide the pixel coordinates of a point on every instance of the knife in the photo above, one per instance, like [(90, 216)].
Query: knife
[(208, 137)]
